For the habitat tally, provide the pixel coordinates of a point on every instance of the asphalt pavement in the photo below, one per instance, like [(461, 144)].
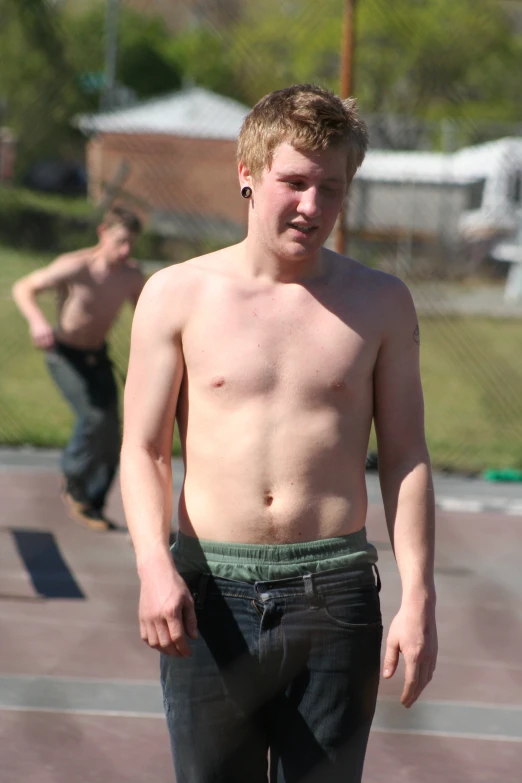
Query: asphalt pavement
[(79, 694)]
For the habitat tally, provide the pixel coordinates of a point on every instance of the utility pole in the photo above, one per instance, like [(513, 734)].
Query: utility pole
[(346, 81), (111, 53)]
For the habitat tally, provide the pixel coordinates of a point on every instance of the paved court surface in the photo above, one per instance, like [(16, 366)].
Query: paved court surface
[(79, 699)]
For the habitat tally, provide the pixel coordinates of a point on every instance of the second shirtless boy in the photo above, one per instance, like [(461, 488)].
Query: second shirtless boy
[(92, 285)]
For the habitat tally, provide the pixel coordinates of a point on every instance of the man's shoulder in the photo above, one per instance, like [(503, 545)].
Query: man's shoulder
[(175, 277), (371, 282), (171, 295), (362, 274), (76, 258), (174, 287), (66, 269), (192, 275)]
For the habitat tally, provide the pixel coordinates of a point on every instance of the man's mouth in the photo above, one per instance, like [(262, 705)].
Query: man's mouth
[(303, 228)]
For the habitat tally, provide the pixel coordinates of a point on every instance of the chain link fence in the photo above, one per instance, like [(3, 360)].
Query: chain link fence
[(438, 202)]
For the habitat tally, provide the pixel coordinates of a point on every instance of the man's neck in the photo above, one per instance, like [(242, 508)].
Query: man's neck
[(101, 263), (259, 261)]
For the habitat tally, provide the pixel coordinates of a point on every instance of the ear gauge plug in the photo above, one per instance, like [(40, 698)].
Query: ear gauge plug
[(246, 192)]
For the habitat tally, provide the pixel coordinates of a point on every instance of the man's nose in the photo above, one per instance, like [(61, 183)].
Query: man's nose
[(309, 206)]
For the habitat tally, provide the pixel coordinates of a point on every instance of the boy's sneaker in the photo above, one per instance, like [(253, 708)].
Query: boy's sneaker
[(100, 514), (84, 514)]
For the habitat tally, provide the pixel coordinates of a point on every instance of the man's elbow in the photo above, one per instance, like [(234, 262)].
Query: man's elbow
[(400, 461), (17, 289), (141, 449), (22, 289)]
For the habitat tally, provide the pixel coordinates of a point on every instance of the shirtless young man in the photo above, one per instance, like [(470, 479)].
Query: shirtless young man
[(274, 355), (92, 286)]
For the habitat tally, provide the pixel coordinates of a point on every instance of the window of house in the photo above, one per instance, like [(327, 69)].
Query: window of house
[(476, 193), (515, 187)]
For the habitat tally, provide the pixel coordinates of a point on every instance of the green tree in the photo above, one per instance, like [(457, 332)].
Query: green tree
[(423, 59), (142, 64), (277, 43), (47, 51), (437, 58), (36, 79), (202, 56)]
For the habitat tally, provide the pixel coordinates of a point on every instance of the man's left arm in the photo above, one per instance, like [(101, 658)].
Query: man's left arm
[(407, 490)]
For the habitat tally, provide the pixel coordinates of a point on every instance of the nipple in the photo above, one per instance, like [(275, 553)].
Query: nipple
[(217, 381)]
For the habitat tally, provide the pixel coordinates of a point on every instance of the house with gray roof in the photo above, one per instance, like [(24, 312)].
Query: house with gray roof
[(174, 159)]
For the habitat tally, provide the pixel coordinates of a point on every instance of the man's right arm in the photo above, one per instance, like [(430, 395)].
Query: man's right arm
[(166, 611), (25, 291)]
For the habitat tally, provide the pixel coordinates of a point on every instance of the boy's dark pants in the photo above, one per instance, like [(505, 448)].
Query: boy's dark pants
[(90, 459)]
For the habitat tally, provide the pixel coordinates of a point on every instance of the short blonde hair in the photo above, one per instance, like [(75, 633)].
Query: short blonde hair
[(308, 117)]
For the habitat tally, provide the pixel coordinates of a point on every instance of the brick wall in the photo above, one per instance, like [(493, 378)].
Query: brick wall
[(183, 175)]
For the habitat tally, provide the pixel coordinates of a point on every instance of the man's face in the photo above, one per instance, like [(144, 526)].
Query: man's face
[(116, 242), (297, 201)]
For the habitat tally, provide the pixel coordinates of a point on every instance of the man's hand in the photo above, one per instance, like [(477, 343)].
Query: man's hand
[(41, 333), (414, 633), (166, 610)]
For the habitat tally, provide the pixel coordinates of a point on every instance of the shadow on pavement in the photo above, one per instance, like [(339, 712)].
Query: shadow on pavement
[(50, 574)]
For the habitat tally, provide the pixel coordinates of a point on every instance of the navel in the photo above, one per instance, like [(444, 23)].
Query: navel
[(269, 499)]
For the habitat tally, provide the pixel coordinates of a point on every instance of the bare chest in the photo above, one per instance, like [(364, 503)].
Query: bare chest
[(258, 346), (98, 296)]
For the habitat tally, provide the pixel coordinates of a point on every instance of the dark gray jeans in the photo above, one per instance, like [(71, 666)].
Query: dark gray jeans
[(288, 668), (90, 459)]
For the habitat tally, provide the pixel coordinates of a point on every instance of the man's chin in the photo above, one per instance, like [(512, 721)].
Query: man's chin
[(301, 250)]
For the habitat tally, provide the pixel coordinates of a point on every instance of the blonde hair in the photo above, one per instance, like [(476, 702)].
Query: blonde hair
[(308, 117)]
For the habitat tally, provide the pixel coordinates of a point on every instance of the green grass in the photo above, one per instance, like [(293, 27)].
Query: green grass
[(471, 370), (77, 207), (472, 378)]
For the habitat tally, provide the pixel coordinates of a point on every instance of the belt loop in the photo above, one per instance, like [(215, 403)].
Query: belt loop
[(378, 577), (311, 593), (202, 590)]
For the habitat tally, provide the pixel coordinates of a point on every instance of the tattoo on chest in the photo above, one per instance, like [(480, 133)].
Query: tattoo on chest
[(416, 334)]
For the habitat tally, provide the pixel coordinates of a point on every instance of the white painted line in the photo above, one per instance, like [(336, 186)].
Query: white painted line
[(87, 712), (436, 703), (497, 503), (447, 734), (102, 681), (128, 699), (460, 504)]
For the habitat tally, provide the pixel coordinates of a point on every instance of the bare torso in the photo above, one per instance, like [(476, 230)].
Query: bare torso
[(91, 301), (276, 404)]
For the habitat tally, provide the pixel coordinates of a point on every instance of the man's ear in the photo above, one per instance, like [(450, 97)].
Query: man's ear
[(245, 178)]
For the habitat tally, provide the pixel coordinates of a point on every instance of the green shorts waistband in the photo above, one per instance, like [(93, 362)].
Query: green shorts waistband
[(261, 562)]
